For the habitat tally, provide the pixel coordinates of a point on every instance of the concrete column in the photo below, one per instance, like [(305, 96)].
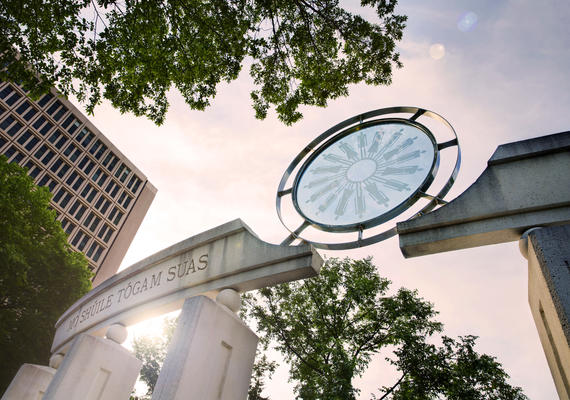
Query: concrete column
[(211, 354), (30, 383), (96, 369), (548, 254)]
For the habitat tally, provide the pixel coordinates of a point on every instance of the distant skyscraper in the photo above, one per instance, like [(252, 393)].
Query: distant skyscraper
[(100, 197)]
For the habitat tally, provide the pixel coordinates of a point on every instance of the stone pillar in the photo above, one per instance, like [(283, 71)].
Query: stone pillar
[(211, 354), (96, 369), (30, 383), (548, 254)]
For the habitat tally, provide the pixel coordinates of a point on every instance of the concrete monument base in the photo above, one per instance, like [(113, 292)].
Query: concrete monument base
[(94, 369), (30, 383), (211, 354)]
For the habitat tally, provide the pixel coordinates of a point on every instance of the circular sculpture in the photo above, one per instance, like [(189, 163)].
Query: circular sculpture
[(364, 172)]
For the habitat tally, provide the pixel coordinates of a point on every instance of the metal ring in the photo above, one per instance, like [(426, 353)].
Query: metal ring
[(345, 128)]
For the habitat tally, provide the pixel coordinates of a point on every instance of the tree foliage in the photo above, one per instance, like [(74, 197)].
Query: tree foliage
[(330, 326), (40, 276), (300, 52)]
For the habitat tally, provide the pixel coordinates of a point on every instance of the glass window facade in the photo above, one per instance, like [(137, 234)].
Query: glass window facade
[(94, 187)]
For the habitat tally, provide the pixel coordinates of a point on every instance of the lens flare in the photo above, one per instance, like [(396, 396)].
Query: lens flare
[(467, 21), (437, 51)]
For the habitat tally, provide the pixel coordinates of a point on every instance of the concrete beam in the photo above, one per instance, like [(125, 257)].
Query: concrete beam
[(526, 184), (228, 256)]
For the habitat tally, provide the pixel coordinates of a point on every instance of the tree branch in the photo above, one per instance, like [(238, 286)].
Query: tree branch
[(393, 387)]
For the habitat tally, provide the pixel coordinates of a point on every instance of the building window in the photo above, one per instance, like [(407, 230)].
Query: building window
[(122, 172), (98, 149), (48, 157), (125, 199), (88, 192), (58, 139), (115, 216), (41, 127), (77, 210), (57, 110), (82, 243), (71, 178), (41, 151), (45, 99), (24, 137), (59, 195), (74, 180), (83, 162), (10, 125), (33, 169), (66, 199), (134, 184), (100, 152), (78, 183), (68, 121), (58, 165), (92, 221), (95, 251), (71, 124), (86, 164), (14, 129), (23, 107), (110, 161), (89, 218), (28, 140), (105, 233), (80, 240), (84, 137), (99, 176), (102, 204), (18, 157), (13, 154), (44, 154), (49, 182), (12, 99), (67, 226), (6, 91), (72, 152), (7, 122), (112, 188), (26, 110), (64, 168)]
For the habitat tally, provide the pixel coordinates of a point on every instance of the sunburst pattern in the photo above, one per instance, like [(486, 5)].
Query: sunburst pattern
[(365, 174)]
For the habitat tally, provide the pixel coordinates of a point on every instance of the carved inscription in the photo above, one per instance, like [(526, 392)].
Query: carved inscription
[(140, 285)]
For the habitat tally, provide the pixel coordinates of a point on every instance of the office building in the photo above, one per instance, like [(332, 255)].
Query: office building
[(99, 196)]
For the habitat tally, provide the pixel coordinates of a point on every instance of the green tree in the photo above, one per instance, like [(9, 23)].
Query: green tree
[(40, 276), (300, 52), (329, 327)]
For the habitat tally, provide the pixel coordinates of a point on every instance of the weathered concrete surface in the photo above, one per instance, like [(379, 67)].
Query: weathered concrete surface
[(525, 184), (549, 298), (229, 256), (30, 383), (94, 369), (210, 357)]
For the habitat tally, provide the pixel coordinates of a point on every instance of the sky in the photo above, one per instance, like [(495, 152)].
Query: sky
[(496, 70)]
